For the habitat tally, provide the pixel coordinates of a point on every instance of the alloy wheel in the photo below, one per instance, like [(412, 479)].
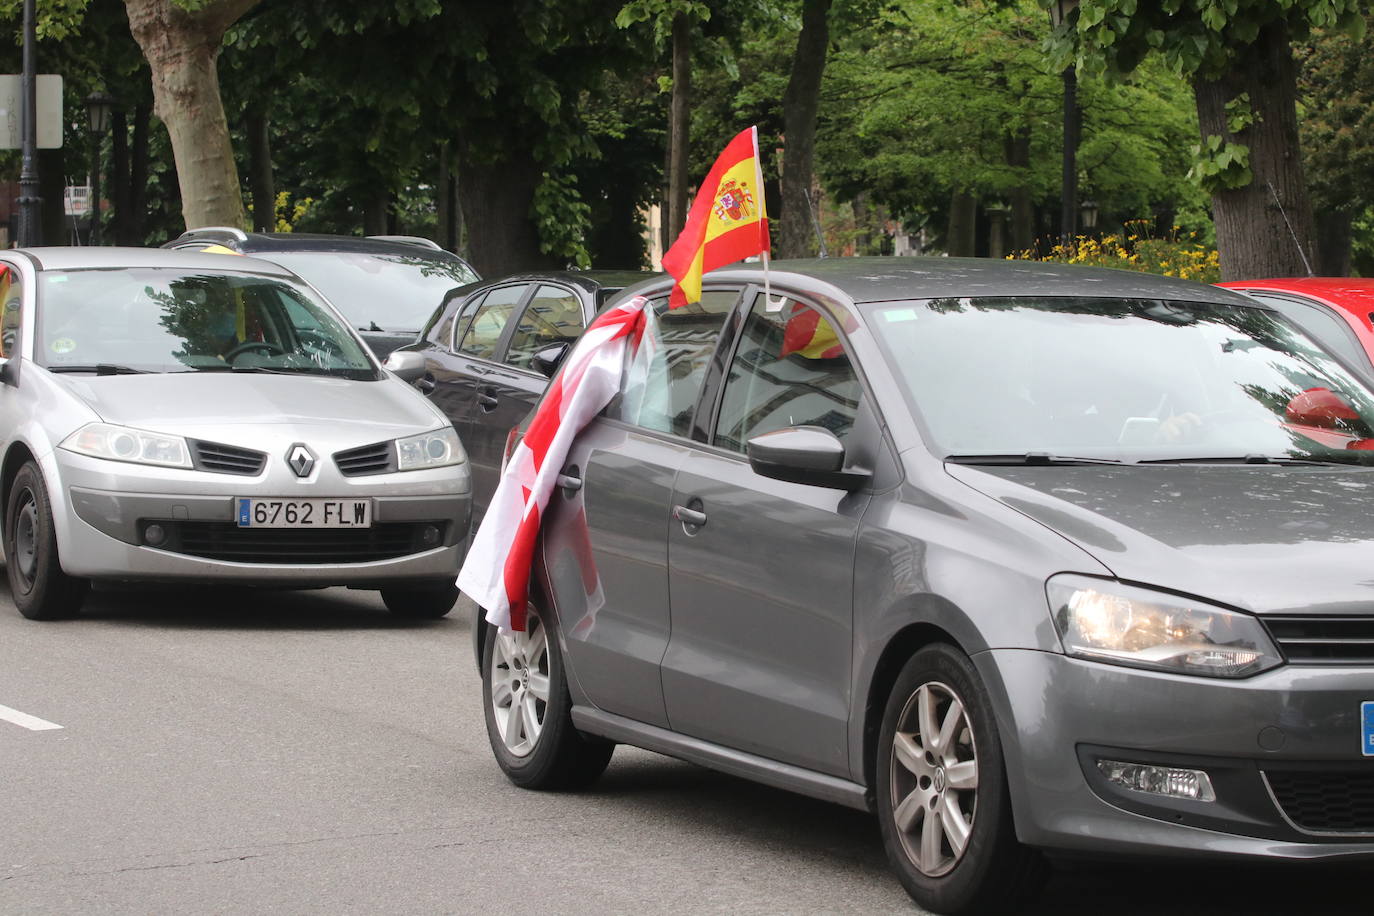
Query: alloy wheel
[(934, 781), (520, 685)]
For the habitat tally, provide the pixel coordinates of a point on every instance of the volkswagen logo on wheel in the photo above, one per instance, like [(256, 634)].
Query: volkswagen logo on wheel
[(301, 460)]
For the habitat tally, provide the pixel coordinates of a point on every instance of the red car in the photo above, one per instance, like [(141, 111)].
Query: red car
[(1338, 312)]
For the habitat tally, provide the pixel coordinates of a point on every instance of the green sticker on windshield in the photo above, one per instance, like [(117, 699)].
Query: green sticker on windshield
[(899, 315), (63, 345)]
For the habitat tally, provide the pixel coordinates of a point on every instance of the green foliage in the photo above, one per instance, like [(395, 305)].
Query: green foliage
[(1136, 248), (1220, 164), (1336, 89), (561, 216)]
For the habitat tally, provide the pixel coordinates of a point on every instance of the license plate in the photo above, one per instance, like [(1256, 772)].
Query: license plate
[(304, 513), (1367, 727)]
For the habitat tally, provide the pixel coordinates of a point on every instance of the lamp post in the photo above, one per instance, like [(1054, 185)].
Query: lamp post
[(1059, 14), (1088, 211), (99, 105), (30, 227)]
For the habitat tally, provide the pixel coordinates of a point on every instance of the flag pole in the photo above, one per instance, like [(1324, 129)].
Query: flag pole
[(763, 223)]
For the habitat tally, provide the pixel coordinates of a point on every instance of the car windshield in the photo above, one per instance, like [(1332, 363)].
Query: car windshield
[(378, 292), (1123, 380), (170, 320)]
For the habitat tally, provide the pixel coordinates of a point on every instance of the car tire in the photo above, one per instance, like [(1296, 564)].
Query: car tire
[(534, 739), (38, 586), (422, 603), (943, 804)]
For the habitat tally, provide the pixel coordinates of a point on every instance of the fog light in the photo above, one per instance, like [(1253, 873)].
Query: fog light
[(1171, 782), (154, 535), (429, 535)]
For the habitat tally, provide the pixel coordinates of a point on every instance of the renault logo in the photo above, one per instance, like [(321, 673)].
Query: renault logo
[(301, 460)]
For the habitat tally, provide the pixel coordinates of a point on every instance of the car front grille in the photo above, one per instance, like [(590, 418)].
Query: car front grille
[(1340, 801), (378, 458), (226, 459), (1324, 640), (227, 541)]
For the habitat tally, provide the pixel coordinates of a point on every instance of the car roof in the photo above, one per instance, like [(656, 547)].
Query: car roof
[(305, 241), (1353, 293), (102, 258), (589, 280), (885, 279)]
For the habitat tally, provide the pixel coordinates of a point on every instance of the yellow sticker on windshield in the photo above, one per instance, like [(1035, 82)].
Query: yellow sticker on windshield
[(63, 345)]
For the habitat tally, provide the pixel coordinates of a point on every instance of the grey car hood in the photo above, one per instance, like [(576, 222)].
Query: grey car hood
[(197, 403), (1265, 538)]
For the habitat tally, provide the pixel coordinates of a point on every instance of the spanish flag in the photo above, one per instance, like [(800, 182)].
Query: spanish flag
[(727, 222)]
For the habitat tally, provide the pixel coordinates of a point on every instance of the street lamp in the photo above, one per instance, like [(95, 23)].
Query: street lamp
[(30, 226), (99, 106), (1059, 14), (1088, 211)]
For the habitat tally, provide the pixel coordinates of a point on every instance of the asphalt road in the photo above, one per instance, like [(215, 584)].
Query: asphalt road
[(237, 752)]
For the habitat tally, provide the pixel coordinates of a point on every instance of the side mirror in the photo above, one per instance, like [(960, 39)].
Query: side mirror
[(548, 359), (1319, 407), (407, 365), (809, 455)]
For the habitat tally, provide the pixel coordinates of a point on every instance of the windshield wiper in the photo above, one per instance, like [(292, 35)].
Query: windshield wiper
[(244, 369), (1242, 459), (1028, 459), (371, 326), (101, 369)]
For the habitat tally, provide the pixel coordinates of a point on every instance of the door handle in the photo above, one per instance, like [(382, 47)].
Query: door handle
[(427, 384), (486, 400), (570, 482), (689, 516)]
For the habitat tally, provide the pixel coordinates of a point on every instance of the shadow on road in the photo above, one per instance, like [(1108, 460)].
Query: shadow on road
[(244, 608), (837, 837)]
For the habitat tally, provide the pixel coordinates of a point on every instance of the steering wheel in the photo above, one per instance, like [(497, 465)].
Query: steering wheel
[(265, 345)]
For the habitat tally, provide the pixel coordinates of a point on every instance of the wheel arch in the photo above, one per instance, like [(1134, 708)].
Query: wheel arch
[(18, 455)]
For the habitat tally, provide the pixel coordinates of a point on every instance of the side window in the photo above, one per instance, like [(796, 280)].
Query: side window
[(483, 333), (11, 300), (665, 373), (554, 315), (1325, 326), (789, 370)]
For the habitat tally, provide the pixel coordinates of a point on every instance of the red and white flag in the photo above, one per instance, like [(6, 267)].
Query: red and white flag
[(497, 569)]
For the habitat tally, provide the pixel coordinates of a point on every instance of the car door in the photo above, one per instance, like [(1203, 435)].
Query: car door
[(12, 324), (761, 571), (461, 386), (605, 535)]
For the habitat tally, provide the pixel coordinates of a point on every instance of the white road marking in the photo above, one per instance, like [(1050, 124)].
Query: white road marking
[(33, 723)]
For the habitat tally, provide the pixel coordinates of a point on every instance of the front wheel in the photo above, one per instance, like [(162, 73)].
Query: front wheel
[(943, 804), (529, 712), (39, 587), (421, 603)]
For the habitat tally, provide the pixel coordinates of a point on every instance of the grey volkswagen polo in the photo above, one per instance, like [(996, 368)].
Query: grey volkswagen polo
[(189, 417), (1025, 559)]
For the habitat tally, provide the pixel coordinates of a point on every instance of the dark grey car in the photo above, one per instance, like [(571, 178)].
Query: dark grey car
[(489, 349), (1022, 558)]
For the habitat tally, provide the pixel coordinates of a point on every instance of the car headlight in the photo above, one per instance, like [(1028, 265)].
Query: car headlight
[(1109, 622), (123, 443), (429, 450)]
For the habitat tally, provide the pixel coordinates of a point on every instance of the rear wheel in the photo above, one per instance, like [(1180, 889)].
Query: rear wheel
[(421, 603), (41, 590), (943, 804), (529, 713)]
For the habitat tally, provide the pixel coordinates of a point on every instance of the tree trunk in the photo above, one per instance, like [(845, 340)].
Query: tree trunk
[(963, 218), (1021, 232), (1265, 228), (679, 126), (260, 181), (376, 206), (443, 202), (119, 175), (138, 176), (52, 187), (182, 49), (496, 197), (796, 234), (1334, 241)]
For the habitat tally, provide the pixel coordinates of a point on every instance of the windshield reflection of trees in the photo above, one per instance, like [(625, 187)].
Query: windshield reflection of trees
[(1260, 334)]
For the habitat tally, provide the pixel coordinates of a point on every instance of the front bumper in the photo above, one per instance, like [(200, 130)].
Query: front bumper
[(420, 523), (1262, 739)]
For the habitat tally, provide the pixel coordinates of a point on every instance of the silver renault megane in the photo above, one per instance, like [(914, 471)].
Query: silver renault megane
[(188, 417)]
